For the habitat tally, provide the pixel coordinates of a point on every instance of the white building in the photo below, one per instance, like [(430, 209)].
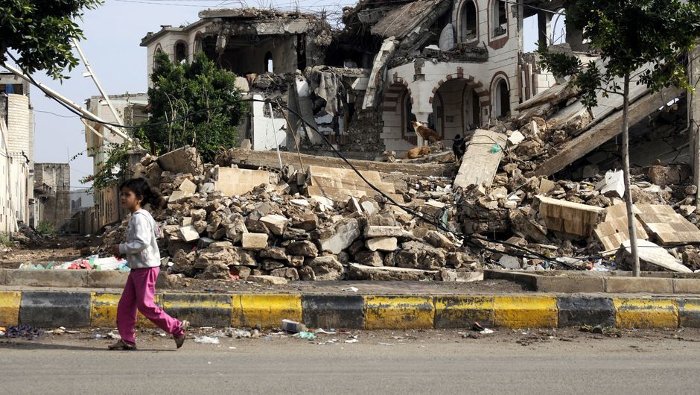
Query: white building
[(16, 153)]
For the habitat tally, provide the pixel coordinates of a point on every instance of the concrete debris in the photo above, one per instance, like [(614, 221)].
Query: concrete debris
[(320, 221)]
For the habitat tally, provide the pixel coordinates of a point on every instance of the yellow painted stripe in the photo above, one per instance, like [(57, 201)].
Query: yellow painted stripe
[(265, 311), (103, 311), (525, 311), (462, 311), (9, 307), (645, 313), (399, 312)]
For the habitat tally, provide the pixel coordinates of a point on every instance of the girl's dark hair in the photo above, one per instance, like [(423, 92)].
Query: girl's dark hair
[(140, 188)]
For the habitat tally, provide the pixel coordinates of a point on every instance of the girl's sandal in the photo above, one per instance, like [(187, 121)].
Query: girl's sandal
[(122, 345)]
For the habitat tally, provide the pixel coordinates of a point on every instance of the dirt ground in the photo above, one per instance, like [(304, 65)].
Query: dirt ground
[(49, 249)]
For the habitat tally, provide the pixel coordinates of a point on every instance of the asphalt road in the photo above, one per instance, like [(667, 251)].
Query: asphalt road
[(379, 363)]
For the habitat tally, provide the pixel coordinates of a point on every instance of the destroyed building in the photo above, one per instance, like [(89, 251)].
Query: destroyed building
[(127, 109), (454, 65), (52, 195), (536, 189)]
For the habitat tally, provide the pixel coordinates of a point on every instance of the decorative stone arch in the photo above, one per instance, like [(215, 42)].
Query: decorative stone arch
[(500, 100), (476, 85), (473, 102), (458, 20)]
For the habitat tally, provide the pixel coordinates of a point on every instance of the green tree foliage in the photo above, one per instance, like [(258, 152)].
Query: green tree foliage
[(40, 33), (629, 35), (193, 104)]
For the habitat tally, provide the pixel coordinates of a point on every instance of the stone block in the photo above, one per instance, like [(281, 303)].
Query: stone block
[(384, 231), (382, 244), (254, 241), (686, 286), (570, 284), (639, 285)]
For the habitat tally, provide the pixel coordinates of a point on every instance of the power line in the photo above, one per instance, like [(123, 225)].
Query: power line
[(54, 114)]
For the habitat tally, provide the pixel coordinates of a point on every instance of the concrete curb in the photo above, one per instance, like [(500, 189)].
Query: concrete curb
[(95, 309), (578, 282)]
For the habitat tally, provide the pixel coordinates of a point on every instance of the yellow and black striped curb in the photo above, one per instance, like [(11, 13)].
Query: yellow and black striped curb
[(95, 309)]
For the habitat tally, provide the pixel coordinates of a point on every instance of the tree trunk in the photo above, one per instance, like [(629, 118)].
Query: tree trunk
[(626, 174)]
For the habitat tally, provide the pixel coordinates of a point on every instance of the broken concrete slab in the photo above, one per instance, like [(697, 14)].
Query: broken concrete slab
[(655, 255), (606, 129), (568, 217), (342, 184), (615, 230), (269, 159), (480, 162), (178, 196), (385, 273), (188, 233), (613, 184), (667, 226), (182, 160), (345, 233), (235, 182), (275, 223), (188, 187)]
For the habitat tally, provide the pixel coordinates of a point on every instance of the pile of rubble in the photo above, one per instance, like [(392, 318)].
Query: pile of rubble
[(224, 222), (245, 217)]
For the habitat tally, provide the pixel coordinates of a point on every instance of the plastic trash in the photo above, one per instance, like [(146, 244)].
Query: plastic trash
[(495, 148), (206, 339), (306, 335)]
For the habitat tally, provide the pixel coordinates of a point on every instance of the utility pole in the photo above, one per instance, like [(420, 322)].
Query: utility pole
[(92, 75), (67, 102)]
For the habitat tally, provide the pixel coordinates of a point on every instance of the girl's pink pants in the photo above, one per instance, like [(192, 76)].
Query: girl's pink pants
[(138, 294)]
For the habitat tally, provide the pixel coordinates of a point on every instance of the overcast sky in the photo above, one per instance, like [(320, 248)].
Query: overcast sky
[(113, 33)]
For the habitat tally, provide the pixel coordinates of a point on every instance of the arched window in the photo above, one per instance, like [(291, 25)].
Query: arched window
[(407, 115), (468, 22), (269, 64), (180, 52), (499, 18), (198, 43), (501, 98), (158, 51)]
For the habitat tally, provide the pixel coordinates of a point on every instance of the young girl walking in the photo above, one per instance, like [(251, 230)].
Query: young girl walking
[(143, 257)]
